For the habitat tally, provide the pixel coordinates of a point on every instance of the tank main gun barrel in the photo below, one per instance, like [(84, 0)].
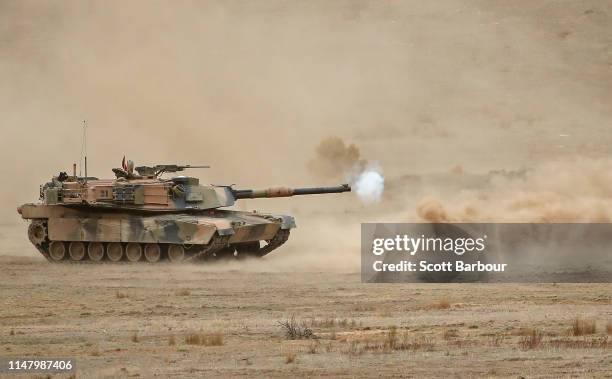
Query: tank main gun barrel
[(287, 192)]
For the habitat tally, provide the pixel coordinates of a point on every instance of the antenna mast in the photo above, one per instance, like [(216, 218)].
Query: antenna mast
[(84, 150)]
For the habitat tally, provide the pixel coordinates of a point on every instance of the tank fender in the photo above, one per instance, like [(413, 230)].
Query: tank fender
[(288, 222)]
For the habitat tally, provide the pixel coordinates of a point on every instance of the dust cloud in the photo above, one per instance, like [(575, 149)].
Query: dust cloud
[(253, 88), (560, 191)]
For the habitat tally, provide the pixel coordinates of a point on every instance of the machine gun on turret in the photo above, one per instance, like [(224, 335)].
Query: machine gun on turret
[(159, 169)]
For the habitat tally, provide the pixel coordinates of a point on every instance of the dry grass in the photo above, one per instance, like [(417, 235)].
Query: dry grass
[(183, 292), (204, 339), (583, 327), (440, 304), (568, 343), (332, 323), (290, 357), (533, 340), (171, 340), (294, 330), (387, 342), (135, 337), (121, 295)]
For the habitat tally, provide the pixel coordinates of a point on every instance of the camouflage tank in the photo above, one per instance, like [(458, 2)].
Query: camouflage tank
[(140, 216)]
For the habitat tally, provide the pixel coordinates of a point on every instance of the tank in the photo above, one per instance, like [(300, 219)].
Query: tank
[(141, 215)]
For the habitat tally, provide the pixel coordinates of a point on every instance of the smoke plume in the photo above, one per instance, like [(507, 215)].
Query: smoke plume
[(336, 159)]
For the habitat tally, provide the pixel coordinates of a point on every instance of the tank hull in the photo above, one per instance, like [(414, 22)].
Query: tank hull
[(58, 231)]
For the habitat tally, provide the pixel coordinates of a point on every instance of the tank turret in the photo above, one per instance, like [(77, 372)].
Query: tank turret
[(140, 215)]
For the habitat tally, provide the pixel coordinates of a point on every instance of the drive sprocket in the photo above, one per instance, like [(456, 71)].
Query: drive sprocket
[(37, 232)]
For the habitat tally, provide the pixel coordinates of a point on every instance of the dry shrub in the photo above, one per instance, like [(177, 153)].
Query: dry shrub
[(391, 338), (313, 348), (121, 295), (135, 337), (183, 292), (290, 357), (204, 339), (296, 331), (450, 333), (171, 340), (332, 335), (595, 343), (582, 327), (495, 340), (354, 349), (531, 341)]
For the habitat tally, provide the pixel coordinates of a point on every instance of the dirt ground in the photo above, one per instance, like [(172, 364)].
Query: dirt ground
[(135, 320)]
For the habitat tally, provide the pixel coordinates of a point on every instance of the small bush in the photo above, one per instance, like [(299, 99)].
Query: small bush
[(608, 327), (531, 341), (582, 327), (496, 340), (135, 337), (183, 292), (391, 338), (313, 348), (296, 331), (121, 295), (440, 304), (290, 357), (204, 339), (171, 340), (450, 333)]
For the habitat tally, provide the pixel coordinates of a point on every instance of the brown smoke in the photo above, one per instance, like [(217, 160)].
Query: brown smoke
[(334, 159)]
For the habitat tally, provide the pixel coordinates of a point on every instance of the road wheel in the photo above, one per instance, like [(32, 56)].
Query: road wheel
[(133, 252), (176, 253), (95, 251), (57, 250), (76, 250), (114, 251), (152, 252)]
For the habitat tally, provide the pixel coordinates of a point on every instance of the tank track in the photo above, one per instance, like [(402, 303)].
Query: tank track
[(38, 236), (280, 238)]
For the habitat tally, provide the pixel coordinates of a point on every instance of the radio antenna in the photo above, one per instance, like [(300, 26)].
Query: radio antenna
[(84, 150)]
